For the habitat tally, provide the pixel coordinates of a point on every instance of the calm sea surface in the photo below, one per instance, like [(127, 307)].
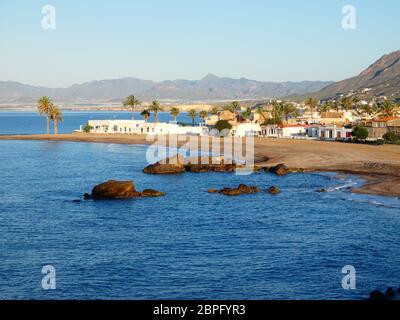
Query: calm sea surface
[(189, 244), (32, 123)]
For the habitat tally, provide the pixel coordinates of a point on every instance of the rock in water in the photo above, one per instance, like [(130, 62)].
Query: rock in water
[(242, 189), (113, 189), (390, 293), (248, 189), (280, 170), (273, 190), (377, 295), (173, 165), (212, 191), (152, 193), (210, 164), (230, 192)]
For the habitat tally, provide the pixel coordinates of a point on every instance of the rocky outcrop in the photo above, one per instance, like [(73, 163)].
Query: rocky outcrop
[(113, 189), (173, 165), (241, 189), (152, 193), (210, 164), (178, 164), (280, 169), (274, 190)]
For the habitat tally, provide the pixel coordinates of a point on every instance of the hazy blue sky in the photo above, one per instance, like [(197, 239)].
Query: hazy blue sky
[(169, 39)]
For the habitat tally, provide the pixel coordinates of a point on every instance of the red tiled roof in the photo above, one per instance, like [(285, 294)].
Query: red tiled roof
[(385, 119)]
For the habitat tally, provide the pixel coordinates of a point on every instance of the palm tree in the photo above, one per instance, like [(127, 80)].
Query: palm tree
[(44, 105), (312, 104), (324, 107), (203, 114), (193, 114), (288, 109), (214, 111), (347, 103), (175, 113), (56, 116), (387, 109), (145, 114), (230, 108), (336, 105), (260, 111), (156, 108), (235, 105), (130, 103), (277, 112)]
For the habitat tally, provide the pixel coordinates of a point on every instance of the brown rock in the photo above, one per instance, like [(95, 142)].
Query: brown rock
[(212, 191), (152, 193), (280, 169), (230, 192), (172, 165), (248, 189), (114, 190), (274, 190), (242, 189)]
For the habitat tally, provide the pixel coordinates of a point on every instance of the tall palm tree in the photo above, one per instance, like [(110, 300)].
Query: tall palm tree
[(56, 116), (260, 111), (214, 111), (203, 114), (44, 105), (288, 109), (336, 105), (312, 104), (277, 112), (145, 114), (156, 108), (130, 103), (235, 105), (175, 113), (193, 114), (387, 109), (347, 103)]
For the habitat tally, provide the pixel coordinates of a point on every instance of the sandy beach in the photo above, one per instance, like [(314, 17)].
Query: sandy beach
[(379, 165)]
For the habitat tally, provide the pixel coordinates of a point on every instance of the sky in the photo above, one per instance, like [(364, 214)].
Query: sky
[(268, 40)]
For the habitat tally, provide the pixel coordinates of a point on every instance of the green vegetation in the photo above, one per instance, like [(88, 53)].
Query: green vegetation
[(391, 137), (193, 114), (360, 133), (175, 113), (156, 108), (222, 125), (203, 114), (55, 116), (130, 103), (87, 128), (44, 106), (145, 114)]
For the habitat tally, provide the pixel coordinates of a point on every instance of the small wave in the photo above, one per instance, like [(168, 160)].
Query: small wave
[(341, 187)]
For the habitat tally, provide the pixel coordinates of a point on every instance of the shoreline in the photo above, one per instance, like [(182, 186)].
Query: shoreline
[(378, 165)]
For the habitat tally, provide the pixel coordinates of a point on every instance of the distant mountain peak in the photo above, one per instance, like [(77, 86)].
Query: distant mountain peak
[(209, 77)]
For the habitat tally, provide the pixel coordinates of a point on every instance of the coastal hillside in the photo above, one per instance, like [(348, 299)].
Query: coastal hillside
[(209, 88), (382, 78)]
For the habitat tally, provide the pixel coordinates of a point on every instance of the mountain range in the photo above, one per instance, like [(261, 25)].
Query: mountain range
[(209, 88), (382, 78)]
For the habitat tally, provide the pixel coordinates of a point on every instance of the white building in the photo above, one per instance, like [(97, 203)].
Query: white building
[(142, 127), (246, 130), (331, 132), (289, 131)]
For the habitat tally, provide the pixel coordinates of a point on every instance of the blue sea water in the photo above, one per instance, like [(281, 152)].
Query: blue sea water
[(189, 244), (32, 123)]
